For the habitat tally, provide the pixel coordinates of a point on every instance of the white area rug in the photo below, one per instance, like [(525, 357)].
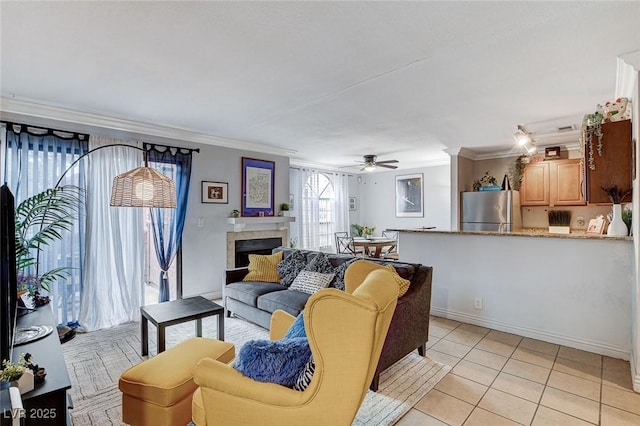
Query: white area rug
[(95, 361)]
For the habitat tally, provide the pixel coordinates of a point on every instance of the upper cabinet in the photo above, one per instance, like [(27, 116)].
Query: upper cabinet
[(552, 183), (613, 166)]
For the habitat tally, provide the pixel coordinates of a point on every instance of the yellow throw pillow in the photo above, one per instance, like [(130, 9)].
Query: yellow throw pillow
[(403, 284), (263, 268), (358, 271)]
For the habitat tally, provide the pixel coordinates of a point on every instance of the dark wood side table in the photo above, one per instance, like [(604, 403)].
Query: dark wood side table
[(175, 312)]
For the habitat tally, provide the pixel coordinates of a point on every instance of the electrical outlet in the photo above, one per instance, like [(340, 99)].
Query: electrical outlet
[(580, 220), (478, 303)]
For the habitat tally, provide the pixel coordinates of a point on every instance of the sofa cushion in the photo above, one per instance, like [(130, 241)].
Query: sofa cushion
[(264, 268), (290, 301), (310, 282), (248, 292), (290, 267)]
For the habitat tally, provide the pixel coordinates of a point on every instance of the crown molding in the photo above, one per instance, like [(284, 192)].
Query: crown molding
[(49, 112)]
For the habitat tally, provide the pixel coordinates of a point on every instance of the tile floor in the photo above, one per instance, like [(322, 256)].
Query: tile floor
[(504, 379)]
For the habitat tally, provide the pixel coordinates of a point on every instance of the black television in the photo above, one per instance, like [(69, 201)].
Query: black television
[(8, 278)]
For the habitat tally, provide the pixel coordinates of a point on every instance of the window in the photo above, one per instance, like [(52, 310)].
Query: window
[(318, 202)]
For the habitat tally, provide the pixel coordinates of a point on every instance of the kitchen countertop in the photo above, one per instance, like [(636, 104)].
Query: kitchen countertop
[(525, 232)]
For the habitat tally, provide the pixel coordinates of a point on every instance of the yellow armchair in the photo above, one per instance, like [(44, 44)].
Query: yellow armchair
[(346, 333)]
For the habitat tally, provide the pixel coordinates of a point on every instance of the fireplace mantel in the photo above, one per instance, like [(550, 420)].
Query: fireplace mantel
[(239, 223)]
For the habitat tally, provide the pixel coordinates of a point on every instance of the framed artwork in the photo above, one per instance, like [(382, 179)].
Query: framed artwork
[(258, 181), (353, 203), (215, 192), (596, 226), (409, 202)]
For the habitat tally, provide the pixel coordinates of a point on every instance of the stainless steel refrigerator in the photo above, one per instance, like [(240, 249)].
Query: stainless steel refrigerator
[(491, 211)]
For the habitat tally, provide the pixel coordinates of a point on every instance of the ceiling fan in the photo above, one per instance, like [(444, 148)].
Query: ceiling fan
[(370, 163)]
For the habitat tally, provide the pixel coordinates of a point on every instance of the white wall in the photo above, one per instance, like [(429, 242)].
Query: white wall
[(574, 292), (376, 199), (204, 248)]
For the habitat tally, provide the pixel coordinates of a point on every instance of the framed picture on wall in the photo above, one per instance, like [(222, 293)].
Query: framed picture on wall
[(215, 192), (409, 202), (258, 182)]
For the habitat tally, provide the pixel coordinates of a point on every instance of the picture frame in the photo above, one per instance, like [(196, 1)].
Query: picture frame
[(353, 203), (258, 183), (215, 192), (596, 226), (409, 195)]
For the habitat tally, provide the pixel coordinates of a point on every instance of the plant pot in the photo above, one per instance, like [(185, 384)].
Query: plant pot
[(617, 227), (25, 383)]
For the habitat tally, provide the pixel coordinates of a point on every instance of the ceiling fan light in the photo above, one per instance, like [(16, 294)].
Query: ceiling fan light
[(369, 168)]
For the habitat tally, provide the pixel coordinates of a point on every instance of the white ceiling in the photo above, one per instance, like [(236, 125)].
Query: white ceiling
[(330, 80)]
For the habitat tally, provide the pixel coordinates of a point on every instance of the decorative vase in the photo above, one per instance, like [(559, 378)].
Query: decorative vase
[(617, 227)]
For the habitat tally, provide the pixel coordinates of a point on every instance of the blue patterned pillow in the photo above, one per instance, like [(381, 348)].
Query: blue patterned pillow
[(338, 280), (320, 263), (278, 362), (289, 267)]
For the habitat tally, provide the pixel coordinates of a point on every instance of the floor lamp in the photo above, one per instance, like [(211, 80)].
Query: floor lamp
[(141, 187)]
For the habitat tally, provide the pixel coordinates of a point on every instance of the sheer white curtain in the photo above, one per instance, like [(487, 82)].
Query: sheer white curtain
[(309, 187), (114, 263), (341, 202)]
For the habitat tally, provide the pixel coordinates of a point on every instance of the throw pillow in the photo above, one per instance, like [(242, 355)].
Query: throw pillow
[(310, 282), (403, 284), (290, 267), (297, 328), (320, 263), (275, 362), (338, 280), (263, 268), (305, 375)]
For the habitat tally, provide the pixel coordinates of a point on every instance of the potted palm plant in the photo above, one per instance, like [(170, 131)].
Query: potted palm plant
[(41, 220)]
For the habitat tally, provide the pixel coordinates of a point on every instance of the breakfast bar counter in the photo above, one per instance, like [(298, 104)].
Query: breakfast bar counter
[(574, 290), (525, 232)]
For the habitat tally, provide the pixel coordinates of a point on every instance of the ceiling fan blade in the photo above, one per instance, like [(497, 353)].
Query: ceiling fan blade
[(386, 161), (386, 166)]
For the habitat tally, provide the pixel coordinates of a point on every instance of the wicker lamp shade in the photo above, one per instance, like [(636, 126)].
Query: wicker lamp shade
[(143, 187)]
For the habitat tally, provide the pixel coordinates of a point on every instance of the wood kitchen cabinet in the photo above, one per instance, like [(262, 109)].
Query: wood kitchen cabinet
[(553, 183), (614, 166)]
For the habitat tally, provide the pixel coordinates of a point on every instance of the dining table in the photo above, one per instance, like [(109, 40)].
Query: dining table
[(373, 246)]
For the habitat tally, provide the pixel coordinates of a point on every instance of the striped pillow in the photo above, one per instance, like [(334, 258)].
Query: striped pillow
[(305, 375), (263, 268)]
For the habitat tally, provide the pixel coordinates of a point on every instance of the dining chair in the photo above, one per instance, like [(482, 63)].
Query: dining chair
[(344, 244), (392, 251)]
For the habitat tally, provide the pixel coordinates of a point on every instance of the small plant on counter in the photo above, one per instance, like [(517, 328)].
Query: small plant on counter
[(616, 195), (234, 213), (284, 207), (626, 218)]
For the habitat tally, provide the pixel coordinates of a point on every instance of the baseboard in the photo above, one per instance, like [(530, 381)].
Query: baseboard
[(212, 295), (635, 374), (533, 333)]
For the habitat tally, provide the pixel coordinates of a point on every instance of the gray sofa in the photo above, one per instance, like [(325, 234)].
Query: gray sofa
[(409, 329)]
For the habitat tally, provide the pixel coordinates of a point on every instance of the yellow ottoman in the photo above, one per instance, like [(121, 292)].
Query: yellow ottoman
[(158, 391)]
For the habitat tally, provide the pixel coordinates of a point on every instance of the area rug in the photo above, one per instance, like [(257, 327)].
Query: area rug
[(95, 361)]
